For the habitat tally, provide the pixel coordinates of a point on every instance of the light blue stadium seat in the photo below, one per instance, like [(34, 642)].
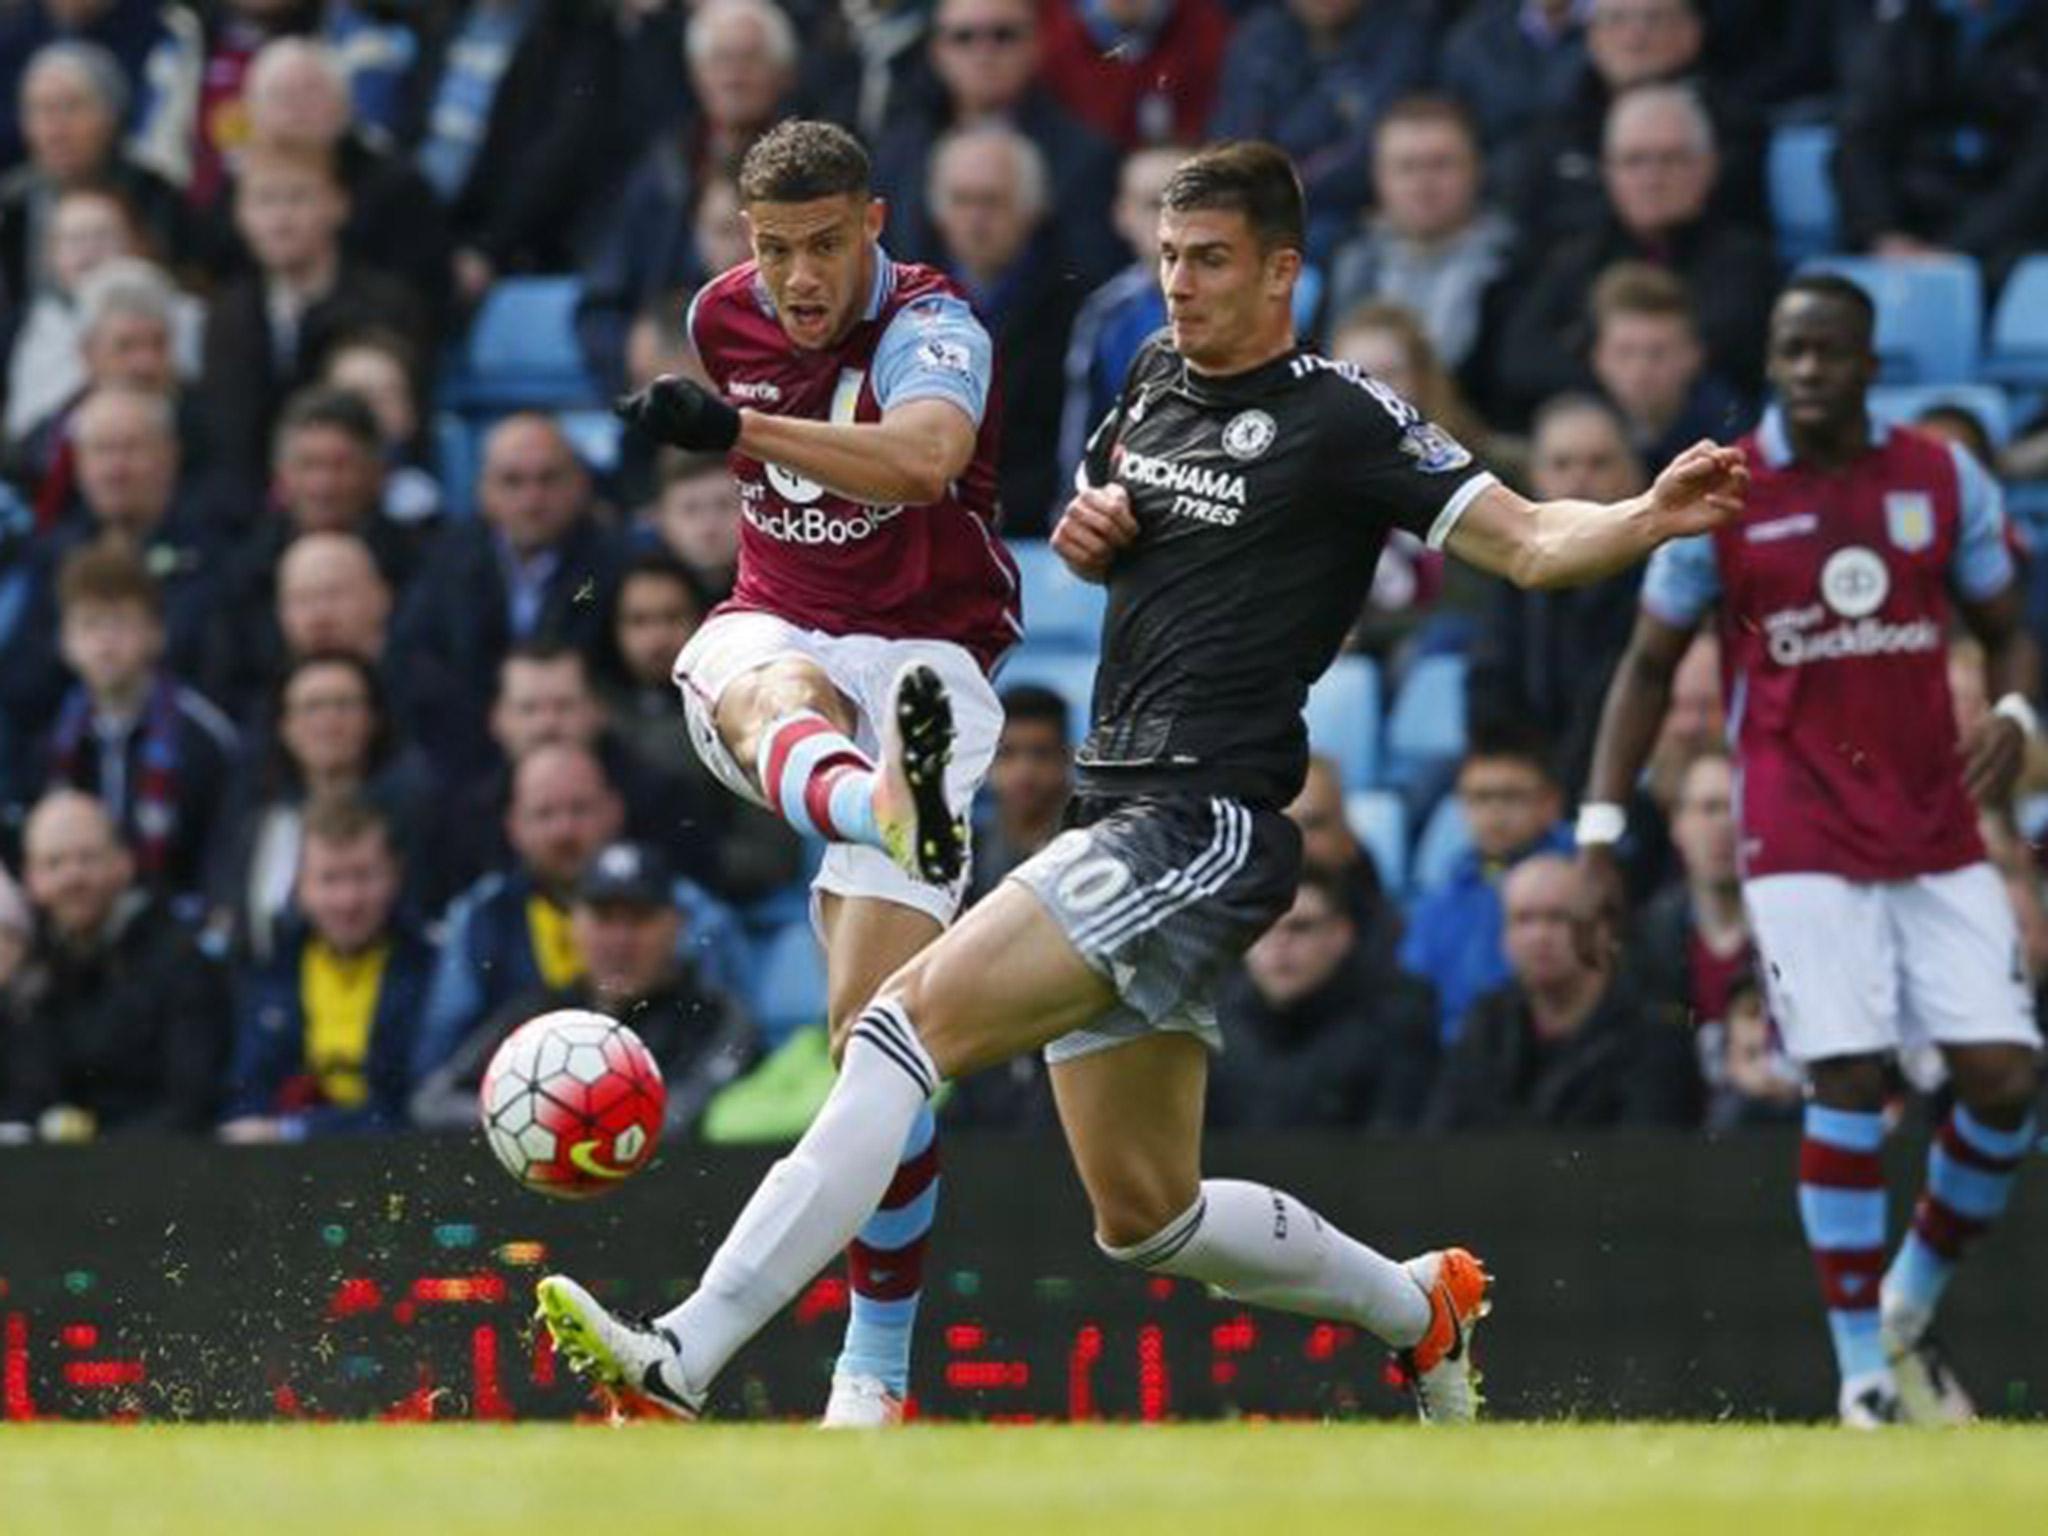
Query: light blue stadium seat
[(1445, 840), (596, 435), (1426, 727), (1930, 314), (1904, 403), (2019, 327), (1799, 168), (1070, 674), (1379, 819), (1060, 609), (1343, 716), (521, 350), (788, 989)]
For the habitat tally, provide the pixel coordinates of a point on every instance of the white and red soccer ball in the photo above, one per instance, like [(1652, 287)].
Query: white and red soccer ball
[(572, 1103)]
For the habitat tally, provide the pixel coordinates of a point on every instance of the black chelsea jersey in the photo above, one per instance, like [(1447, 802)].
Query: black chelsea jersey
[(1262, 499)]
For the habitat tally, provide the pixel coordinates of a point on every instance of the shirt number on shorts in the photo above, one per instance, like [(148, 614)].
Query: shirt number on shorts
[(1093, 884)]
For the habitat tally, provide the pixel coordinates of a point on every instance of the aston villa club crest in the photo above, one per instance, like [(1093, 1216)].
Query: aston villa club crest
[(1909, 519)]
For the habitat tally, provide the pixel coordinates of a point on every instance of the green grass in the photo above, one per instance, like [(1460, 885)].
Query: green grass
[(1294, 1480)]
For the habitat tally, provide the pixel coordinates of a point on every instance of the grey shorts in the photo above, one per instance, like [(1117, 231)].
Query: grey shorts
[(1162, 894)]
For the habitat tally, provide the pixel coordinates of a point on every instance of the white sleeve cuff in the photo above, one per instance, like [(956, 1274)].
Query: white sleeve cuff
[(1454, 509)]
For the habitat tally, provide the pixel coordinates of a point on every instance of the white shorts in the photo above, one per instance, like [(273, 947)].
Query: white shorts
[(862, 667), (1860, 968)]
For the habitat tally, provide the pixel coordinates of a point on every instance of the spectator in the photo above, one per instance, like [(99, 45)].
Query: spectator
[(88, 229), (1545, 657), (125, 442), (747, 851), (1631, 44), (1942, 146), (198, 121), (17, 927), (1115, 319), (629, 931), (1754, 1082), (268, 330), (382, 369), (1136, 71), (114, 1022), (1429, 244), (72, 102), (1513, 63), (1648, 361), (535, 565), (135, 331), (153, 752), (1693, 944), (742, 61), (1388, 342), (127, 29), (1331, 852), (297, 98), (511, 112), (985, 55), (510, 931), (1322, 1033), (1562, 1044), (331, 597), (328, 737), (1659, 165), (697, 519), (323, 1026), (1511, 805), (1030, 782), (988, 204), (1313, 76), (545, 698)]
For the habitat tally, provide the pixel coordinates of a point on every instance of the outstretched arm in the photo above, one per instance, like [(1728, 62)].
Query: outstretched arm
[(1567, 543), (910, 456)]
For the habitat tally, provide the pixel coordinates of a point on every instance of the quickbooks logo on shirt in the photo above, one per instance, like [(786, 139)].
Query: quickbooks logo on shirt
[(1207, 495)]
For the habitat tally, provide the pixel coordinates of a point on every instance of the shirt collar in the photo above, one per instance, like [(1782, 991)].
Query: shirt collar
[(1776, 444)]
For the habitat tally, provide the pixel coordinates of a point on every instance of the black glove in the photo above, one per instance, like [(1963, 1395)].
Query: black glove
[(681, 413)]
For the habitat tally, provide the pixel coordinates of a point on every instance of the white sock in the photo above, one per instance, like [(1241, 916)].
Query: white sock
[(1264, 1246), (813, 1201)]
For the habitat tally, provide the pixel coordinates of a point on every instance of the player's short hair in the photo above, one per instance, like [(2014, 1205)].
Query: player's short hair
[(108, 572), (1841, 290), (340, 819), (1636, 288), (1033, 701), (1428, 109), (804, 159), (1246, 176), (340, 410)]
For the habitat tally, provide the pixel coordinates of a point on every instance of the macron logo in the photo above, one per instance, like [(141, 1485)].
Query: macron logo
[(754, 389)]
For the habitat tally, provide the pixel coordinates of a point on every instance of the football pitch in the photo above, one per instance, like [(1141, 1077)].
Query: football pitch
[(453, 1480)]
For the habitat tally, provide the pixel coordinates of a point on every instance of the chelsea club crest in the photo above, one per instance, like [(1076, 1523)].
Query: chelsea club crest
[(1249, 434)]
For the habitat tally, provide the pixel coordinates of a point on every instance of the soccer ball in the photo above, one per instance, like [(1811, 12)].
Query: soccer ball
[(572, 1103)]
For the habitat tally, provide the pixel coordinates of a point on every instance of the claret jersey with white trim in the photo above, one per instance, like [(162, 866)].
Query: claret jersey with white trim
[(1263, 500)]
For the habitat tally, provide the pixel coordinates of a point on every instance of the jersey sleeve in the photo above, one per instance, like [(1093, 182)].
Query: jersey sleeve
[(1682, 581), (934, 350), (1983, 564), (1394, 461)]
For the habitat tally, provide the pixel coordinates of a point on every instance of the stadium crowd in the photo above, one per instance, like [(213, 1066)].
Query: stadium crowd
[(336, 729)]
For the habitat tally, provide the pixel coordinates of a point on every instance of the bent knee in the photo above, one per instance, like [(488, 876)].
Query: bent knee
[(2000, 1081)]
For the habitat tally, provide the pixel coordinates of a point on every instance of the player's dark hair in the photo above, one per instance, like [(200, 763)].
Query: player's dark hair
[(1840, 289), (342, 410), (803, 159), (1244, 176), (1031, 701)]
